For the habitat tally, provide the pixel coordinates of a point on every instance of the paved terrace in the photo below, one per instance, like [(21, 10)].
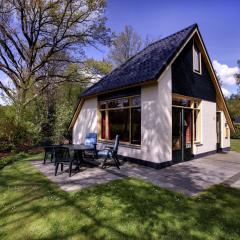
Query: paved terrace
[(189, 178)]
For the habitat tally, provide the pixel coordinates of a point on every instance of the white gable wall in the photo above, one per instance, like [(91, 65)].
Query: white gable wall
[(86, 121), (156, 122)]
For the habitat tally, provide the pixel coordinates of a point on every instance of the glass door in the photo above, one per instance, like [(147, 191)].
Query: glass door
[(177, 142), (187, 134), (181, 134), (218, 130)]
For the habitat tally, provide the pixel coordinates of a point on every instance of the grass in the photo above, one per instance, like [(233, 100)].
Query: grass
[(235, 145), (31, 207)]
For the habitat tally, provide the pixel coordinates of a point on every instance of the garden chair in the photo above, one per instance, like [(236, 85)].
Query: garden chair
[(90, 140), (62, 156), (110, 152), (49, 154)]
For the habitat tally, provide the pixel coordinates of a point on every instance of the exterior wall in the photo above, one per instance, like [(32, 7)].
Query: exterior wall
[(188, 83), (86, 121), (225, 142), (208, 129), (156, 123)]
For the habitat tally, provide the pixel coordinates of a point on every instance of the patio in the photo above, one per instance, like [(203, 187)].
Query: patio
[(190, 177)]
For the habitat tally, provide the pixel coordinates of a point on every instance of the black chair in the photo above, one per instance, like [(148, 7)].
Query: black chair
[(49, 154), (90, 140), (62, 156), (110, 152)]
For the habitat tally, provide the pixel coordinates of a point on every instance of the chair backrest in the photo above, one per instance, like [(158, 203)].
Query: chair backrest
[(62, 154), (49, 149), (115, 147), (90, 139)]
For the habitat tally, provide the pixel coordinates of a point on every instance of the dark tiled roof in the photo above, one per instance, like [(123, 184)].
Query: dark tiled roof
[(146, 65)]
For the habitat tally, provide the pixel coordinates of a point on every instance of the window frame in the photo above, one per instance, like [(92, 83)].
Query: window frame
[(106, 109), (226, 131), (198, 139), (195, 49)]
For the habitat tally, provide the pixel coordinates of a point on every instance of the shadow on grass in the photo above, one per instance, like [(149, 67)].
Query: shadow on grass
[(31, 207)]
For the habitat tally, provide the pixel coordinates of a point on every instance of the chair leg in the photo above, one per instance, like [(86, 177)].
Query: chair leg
[(56, 168), (61, 166), (45, 157), (116, 162), (104, 163), (70, 169)]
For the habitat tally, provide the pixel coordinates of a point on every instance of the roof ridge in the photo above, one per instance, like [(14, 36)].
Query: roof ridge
[(138, 53)]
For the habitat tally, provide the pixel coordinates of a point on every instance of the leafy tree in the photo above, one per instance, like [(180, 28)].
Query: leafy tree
[(39, 38), (125, 45), (238, 76), (98, 67), (233, 103)]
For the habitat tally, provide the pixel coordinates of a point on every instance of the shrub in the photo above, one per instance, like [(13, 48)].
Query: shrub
[(11, 159), (236, 135)]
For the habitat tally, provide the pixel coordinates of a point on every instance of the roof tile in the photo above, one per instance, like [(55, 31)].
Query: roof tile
[(144, 66)]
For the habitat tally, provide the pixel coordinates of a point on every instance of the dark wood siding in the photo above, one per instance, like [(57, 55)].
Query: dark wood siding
[(188, 83)]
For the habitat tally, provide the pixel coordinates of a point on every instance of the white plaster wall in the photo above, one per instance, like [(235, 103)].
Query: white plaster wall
[(209, 130), (225, 142), (86, 121), (156, 122)]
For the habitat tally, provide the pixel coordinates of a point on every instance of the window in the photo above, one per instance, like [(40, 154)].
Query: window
[(195, 106), (119, 124), (121, 116), (196, 60), (226, 131)]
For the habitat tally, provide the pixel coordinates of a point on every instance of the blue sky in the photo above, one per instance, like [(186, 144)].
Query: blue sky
[(218, 22)]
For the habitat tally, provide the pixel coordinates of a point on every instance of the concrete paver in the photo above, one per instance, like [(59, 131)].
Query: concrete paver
[(189, 177)]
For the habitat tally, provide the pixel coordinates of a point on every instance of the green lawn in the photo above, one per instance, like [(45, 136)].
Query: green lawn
[(31, 207), (235, 145)]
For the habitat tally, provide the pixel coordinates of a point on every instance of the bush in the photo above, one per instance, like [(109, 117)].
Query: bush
[(16, 133), (236, 135), (11, 159)]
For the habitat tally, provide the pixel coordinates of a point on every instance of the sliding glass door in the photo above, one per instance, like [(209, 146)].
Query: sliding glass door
[(182, 137)]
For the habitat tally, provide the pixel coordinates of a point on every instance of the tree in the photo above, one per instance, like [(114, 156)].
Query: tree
[(97, 67), (125, 45), (39, 38), (233, 103), (237, 76)]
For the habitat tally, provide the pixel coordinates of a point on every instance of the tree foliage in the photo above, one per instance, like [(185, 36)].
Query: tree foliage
[(233, 103), (38, 38), (125, 45), (238, 77), (97, 67)]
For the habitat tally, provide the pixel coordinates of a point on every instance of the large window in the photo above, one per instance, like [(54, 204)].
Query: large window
[(195, 106), (121, 116), (196, 60)]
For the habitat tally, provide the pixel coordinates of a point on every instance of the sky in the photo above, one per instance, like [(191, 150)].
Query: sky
[(218, 22)]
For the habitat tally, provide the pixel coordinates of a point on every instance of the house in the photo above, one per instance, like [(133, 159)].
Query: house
[(165, 102)]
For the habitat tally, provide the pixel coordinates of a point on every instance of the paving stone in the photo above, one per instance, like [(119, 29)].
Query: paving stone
[(189, 178)]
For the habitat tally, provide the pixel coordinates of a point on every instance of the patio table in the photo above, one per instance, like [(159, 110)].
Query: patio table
[(75, 150)]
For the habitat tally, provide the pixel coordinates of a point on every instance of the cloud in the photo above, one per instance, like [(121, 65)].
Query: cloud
[(226, 73), (226, 92)]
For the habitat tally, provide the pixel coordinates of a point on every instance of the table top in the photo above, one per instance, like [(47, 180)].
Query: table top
[(74, 146)]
